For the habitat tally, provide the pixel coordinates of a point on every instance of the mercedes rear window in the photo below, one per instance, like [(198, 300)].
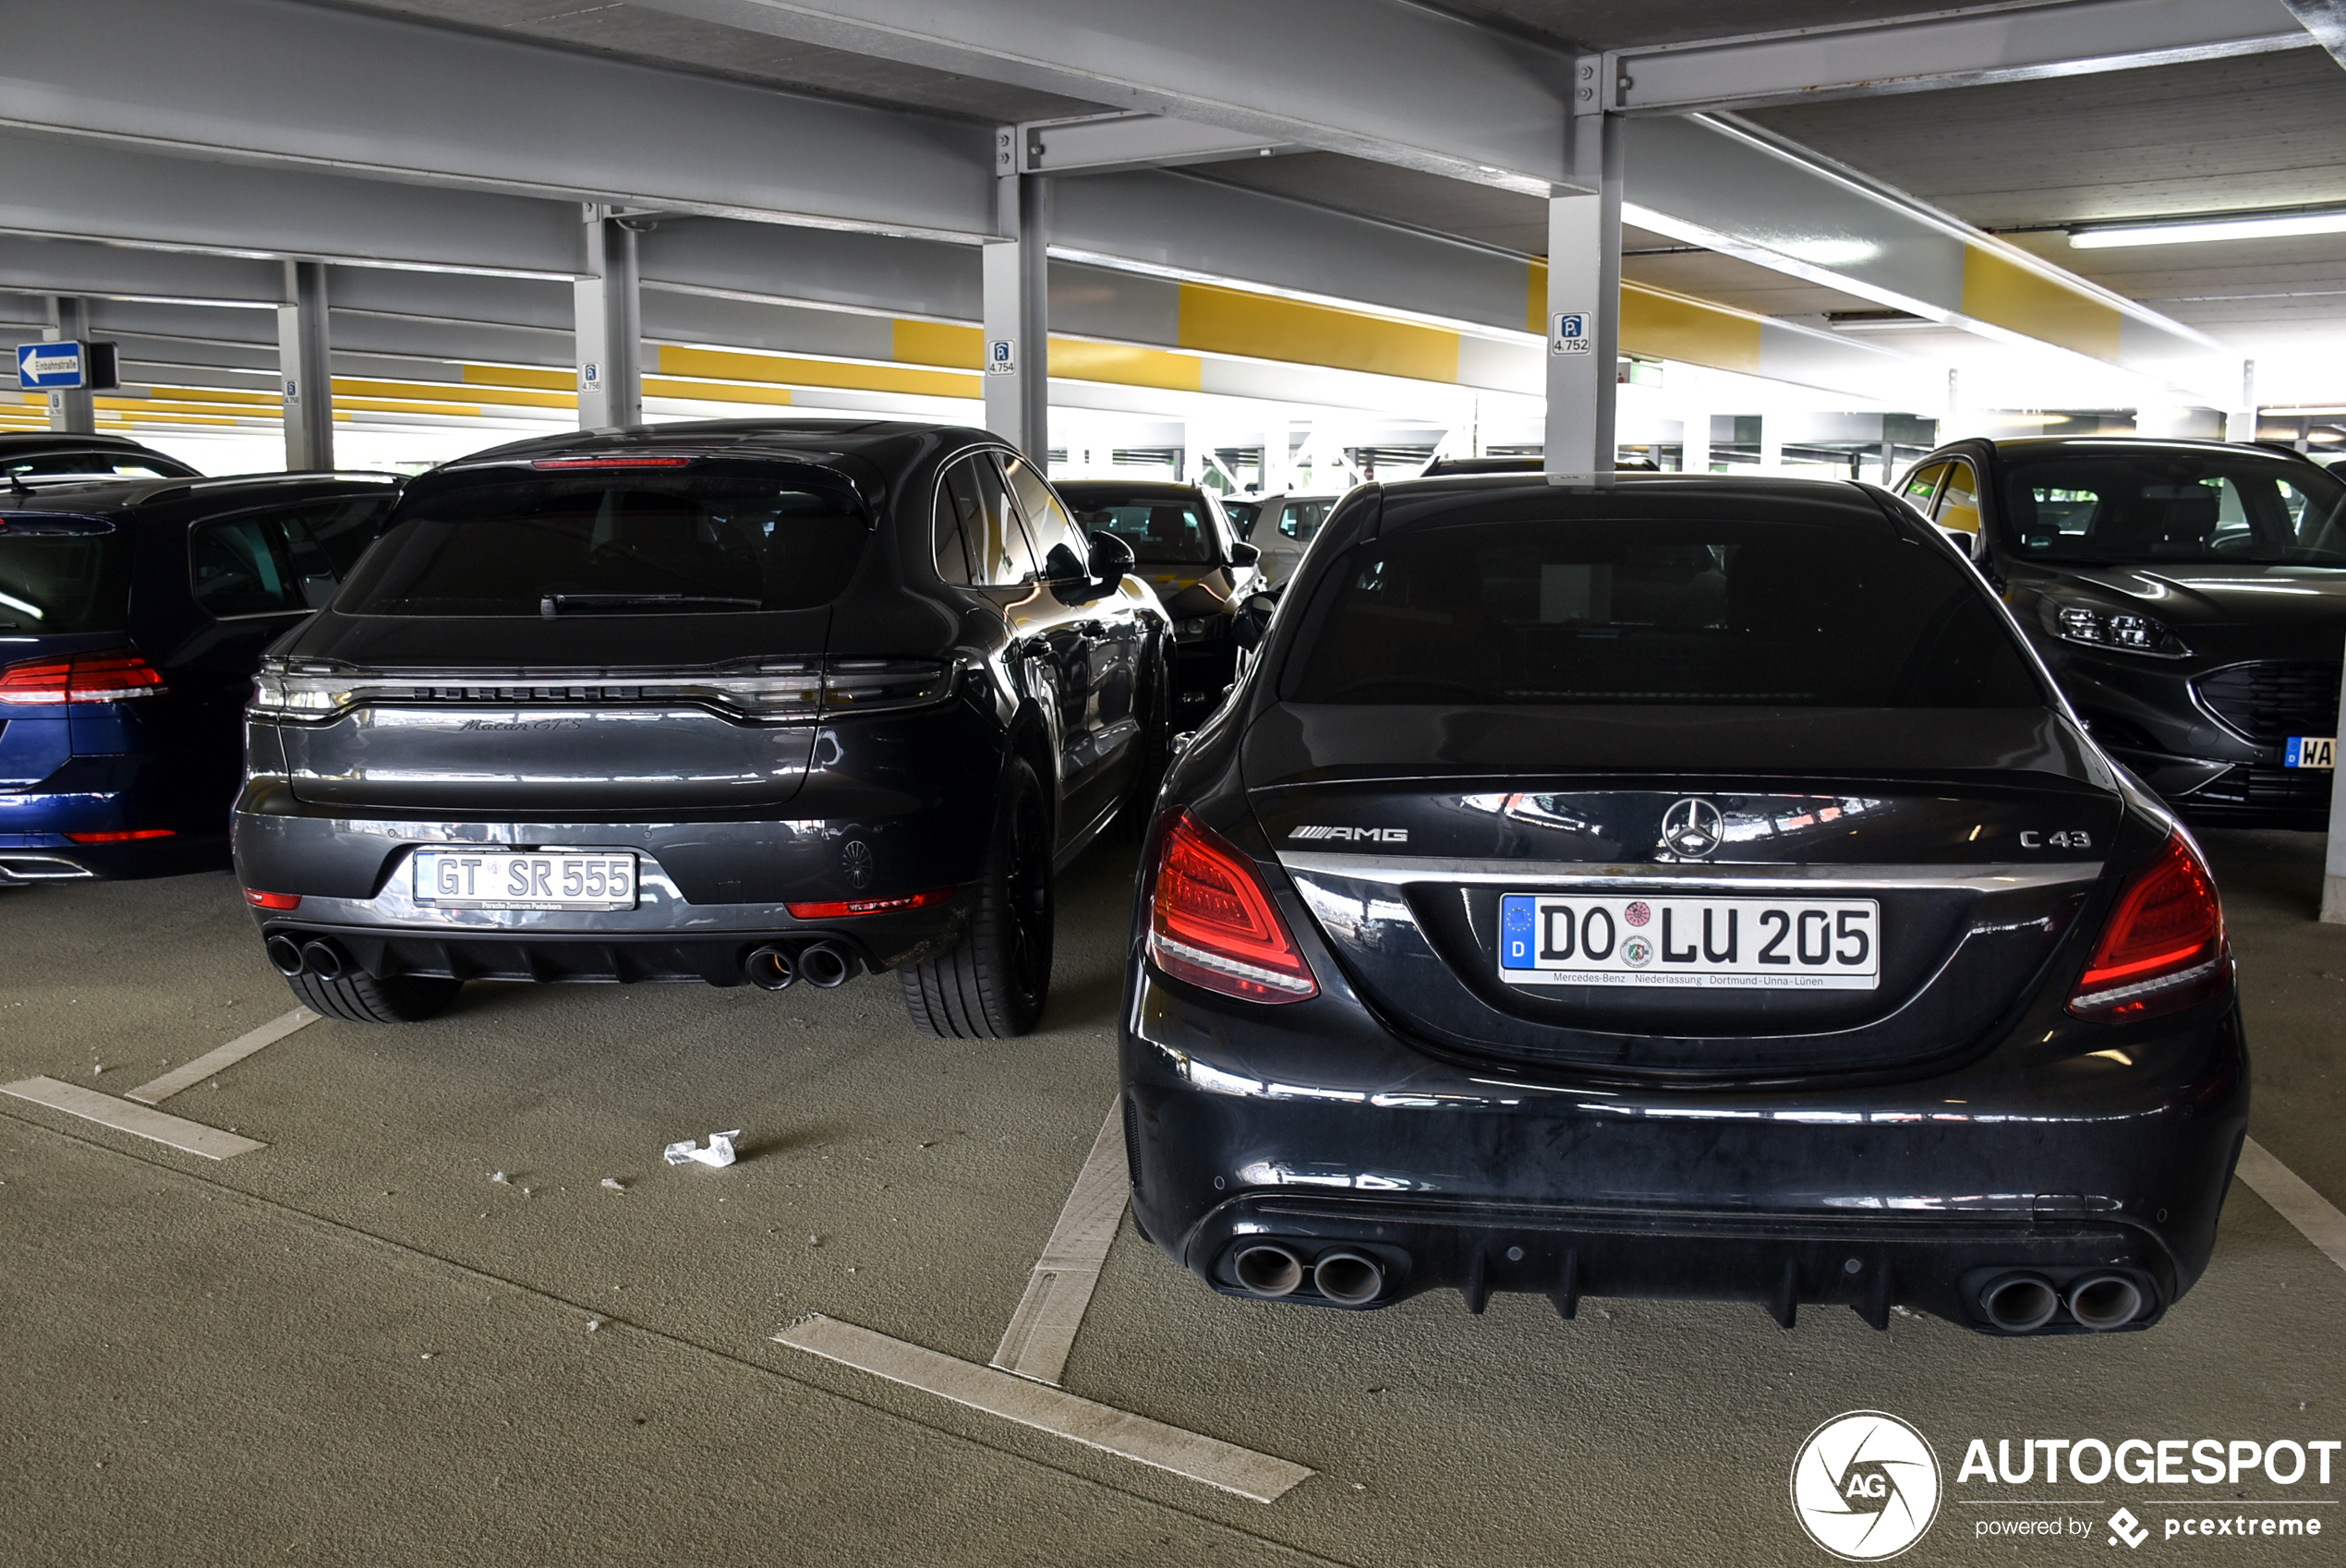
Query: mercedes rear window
[(618, 542), (1733, 614), (63, 574)]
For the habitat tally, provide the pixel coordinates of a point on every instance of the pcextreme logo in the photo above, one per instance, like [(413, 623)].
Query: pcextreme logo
[(1865, 1486)]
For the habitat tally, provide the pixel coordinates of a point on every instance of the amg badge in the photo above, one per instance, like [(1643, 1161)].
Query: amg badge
[(1372, 835)]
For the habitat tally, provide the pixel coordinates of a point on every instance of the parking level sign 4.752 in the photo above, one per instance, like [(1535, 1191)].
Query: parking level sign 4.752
[(1568, 332)]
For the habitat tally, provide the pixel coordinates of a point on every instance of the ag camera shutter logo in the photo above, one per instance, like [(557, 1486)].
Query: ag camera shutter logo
[(1865, 1486)]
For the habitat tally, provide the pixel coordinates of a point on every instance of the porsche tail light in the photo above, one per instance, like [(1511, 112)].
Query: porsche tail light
[(122, 836), (2162, 948), (846, 907), (1213, 922)]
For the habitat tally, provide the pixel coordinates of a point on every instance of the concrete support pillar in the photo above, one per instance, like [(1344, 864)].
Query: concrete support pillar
[(1770, 444), (2334, 883), (305, 370), (607, 323), (2240, 423), (73, 412), (1694, 446), (1584, 297), (1017, 303)]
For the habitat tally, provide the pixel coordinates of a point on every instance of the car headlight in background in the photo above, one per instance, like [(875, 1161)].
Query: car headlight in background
[(1197, 629), (2119, 629)]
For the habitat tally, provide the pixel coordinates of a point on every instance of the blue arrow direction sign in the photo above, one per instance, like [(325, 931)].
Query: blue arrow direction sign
[(49, 365)]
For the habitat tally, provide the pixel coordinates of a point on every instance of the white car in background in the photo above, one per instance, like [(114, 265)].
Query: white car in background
[(1283, 529)]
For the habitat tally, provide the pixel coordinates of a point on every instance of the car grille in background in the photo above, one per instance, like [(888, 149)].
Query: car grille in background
[(2265, 789), (2271, 701)]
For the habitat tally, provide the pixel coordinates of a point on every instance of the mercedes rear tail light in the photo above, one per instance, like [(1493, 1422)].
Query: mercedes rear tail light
[(2162, 948), (112, 676), (1214, 924)]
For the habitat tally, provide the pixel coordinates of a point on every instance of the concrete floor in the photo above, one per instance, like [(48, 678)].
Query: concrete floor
[(353, 1347)]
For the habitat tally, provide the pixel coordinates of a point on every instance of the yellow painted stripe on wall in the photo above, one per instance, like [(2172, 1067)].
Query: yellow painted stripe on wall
[(503, 376), (1258, 326), (1657, 325), (940, 342), (1078, 359), (404, 406), (347, 387), (214, 395), (2002, 293), (715, 392), (728, 366)]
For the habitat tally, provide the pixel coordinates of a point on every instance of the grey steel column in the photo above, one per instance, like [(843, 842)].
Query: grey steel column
[(607, 324), (1016, 304), (74, 411), (1584, 292), (305, 366)]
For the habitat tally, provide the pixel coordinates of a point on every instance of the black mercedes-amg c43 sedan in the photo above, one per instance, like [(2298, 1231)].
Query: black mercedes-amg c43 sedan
[(2188, 596), (736, 702), (1682, 888)]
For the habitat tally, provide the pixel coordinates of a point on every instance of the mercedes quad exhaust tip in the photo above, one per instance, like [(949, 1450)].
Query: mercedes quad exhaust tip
[(284, 954), (771, 969), (1349, 1277), (1268, 1268), (826, 964), (2101, 1302), (2020, 1303), (323, 960)]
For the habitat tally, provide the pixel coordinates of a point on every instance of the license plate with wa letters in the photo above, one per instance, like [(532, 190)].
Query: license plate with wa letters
[(1734, 943)]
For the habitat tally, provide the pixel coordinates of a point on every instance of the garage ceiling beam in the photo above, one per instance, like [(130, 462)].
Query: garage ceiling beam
[(1391, 81), (2325, 21), (1959, 48), (293, 85)]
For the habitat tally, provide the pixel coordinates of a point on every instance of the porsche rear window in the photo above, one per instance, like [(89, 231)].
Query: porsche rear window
[(618, 542), (1659, 612)]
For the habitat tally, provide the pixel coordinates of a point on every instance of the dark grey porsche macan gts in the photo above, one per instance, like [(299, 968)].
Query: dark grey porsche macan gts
[(743, 702), (1680, 888)]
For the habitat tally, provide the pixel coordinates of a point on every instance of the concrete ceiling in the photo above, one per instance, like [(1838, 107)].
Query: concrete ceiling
[(2212, 136)]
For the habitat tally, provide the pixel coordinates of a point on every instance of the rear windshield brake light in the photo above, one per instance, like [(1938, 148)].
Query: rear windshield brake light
[(611, 462)]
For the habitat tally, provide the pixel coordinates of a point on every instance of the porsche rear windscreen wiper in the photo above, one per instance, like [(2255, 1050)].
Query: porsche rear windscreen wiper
[(552, 604)]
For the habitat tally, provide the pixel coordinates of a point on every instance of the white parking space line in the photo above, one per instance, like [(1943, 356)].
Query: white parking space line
[(211, 1062), (2312, 1215), (1042, 1330), (122, 1117), (1217, 1463)]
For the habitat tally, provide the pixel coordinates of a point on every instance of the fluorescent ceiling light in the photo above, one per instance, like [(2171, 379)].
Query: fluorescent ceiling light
[(1831, 252), (2200, 231)]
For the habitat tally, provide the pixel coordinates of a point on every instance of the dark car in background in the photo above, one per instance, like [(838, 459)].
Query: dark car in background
[(2189, 597), (736, 702), (1203, 575), (30, 457), (1682, 888), (133, 614)]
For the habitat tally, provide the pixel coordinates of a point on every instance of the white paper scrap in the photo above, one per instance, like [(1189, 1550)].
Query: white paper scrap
[(719, 1155)]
